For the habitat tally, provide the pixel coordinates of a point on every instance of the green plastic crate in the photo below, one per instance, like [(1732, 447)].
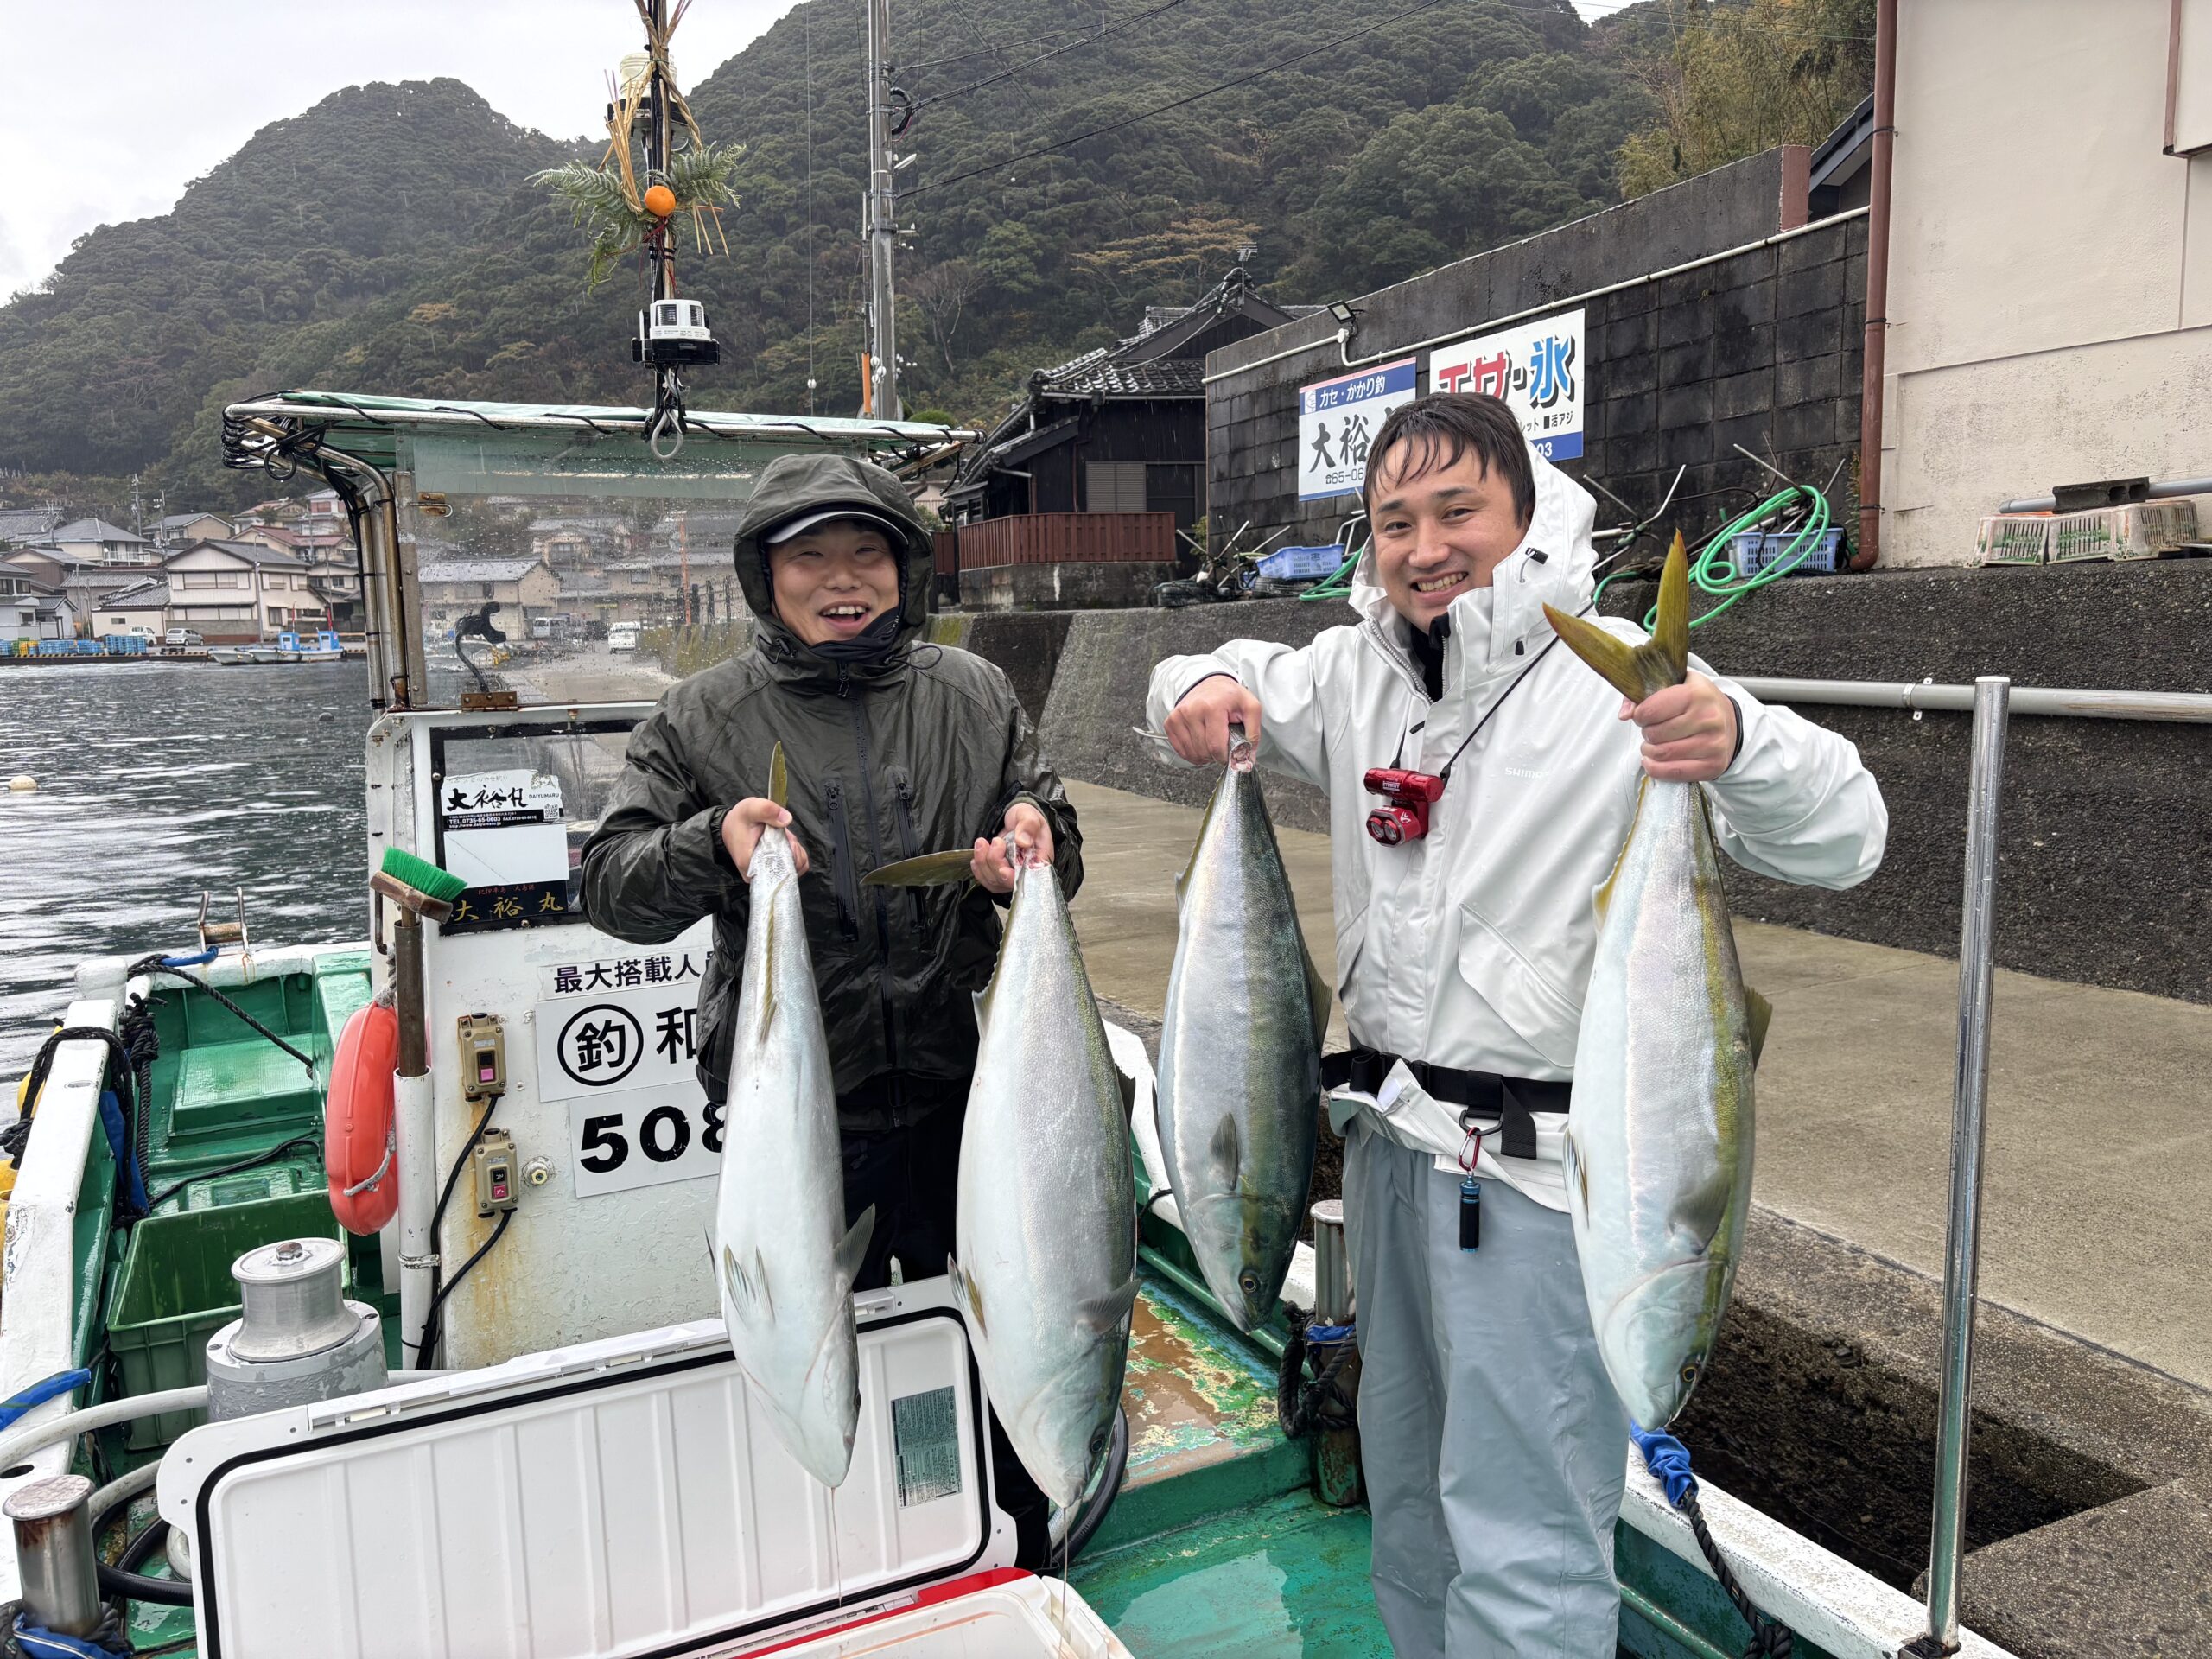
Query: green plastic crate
[(176, 1291)]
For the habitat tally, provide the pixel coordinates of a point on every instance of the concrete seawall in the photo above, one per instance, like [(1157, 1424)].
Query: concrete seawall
[(2107, 823)]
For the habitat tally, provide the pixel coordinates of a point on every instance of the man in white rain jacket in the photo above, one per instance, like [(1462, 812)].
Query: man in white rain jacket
[(1494, 1444)]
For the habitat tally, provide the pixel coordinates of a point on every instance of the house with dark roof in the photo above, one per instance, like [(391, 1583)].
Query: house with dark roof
[(97, 541), (1119, 430), (235, 593)]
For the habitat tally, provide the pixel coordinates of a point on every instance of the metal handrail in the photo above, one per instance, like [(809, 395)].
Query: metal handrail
[(1963, 1238), (2185, 706)]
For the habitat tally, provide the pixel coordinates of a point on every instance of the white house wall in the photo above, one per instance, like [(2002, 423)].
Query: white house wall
[(2050, 279)]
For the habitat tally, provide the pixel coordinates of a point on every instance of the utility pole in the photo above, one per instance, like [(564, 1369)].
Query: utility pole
[(656, 158), (881, 222)]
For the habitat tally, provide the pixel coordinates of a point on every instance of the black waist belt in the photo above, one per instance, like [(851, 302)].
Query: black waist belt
[(1510, 1102)]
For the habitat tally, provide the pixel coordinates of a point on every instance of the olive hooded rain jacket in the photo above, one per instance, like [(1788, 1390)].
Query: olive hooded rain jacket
[(916, 749)]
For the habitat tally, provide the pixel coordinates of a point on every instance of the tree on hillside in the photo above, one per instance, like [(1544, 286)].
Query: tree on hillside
[(1740, 78), (1182, 253), (941, 293)]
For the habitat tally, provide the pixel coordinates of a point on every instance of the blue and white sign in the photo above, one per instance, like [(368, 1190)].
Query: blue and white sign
[(1337, 423), (1536, 368)]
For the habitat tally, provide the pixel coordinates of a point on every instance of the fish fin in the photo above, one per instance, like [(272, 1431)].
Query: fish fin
[(1577, 1173), (966, 1294), (1101, 1313), (748, 1292), (1635, 672), (853, 1246), (1759, 1013), (1222, 1154), (1602, 900), (1319, 993), (1670, 630), (929, 870), (1697, 1214), (778, 780), (982, 1004)]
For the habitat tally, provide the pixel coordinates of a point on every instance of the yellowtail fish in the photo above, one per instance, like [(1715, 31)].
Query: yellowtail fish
[(1240, 1053), (1044, 1265), (1658, 1144), (784, 1259)]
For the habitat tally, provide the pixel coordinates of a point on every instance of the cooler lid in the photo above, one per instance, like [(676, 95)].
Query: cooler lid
[(618, 1499)]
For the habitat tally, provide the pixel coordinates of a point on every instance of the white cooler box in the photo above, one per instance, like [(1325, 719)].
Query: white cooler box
[(618, 1499)]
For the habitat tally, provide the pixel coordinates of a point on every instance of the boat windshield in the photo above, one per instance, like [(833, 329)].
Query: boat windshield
[(546, 552)]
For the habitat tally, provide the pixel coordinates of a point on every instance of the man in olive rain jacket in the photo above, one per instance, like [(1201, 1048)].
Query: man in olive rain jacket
[(892, 747)]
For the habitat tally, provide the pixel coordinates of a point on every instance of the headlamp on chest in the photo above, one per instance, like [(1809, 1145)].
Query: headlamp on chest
[(1406, 796)]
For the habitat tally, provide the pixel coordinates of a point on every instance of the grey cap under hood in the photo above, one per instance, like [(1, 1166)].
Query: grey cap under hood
[(792, 484)]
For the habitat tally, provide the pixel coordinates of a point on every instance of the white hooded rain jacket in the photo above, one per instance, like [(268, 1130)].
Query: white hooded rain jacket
[(1471, 948)]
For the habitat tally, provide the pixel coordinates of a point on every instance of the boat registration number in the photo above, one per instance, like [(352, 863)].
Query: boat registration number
[(641, 1140), (617, 1040)]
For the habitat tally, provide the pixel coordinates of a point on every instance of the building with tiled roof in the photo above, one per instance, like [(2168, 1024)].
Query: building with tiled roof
[(1118, 430)]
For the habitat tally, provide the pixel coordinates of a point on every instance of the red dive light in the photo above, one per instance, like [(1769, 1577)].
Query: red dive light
[(1406, 796)]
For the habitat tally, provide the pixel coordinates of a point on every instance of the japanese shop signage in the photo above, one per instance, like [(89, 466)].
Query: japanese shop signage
[(1337, 423), (505, 837), (1536, 368)]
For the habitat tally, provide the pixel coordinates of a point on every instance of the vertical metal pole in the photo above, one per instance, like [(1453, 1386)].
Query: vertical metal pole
[(657, 157), (53, 1554), (1962, 1244), (882, 223)]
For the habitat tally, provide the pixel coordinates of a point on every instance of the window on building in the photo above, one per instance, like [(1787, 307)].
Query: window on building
[(1114, 486), (484, 590), (1172, 488)]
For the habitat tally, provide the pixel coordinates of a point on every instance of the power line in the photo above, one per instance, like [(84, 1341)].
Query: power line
[(806, 34), (1015, 69), (1176, 103)]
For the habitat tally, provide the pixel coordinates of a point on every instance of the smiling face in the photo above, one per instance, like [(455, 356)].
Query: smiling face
[(1440, 531), (833, 579)]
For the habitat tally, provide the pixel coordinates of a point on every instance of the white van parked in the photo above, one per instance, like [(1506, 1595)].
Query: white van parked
[(623, 636)]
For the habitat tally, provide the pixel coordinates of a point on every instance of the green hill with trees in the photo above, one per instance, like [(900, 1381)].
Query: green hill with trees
[(1073, 165)]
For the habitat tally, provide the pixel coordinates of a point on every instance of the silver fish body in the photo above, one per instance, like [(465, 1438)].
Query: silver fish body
[(1240, 1056), (1658, 1153), (785, 1260), (1045, 1263)]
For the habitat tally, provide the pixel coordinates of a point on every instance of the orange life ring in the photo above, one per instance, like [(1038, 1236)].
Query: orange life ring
[(359, 1147)]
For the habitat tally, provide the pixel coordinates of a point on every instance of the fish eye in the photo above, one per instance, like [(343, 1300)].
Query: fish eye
[(1689, 1374), (1098, 1441), (1248, 1282)]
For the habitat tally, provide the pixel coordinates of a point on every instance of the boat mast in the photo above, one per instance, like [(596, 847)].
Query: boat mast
[(879, 222)]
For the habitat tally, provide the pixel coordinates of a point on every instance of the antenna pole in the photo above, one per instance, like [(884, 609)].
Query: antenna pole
[(657, 154), (882, 222)]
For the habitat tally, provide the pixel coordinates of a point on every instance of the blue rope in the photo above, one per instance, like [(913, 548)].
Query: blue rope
[(39, 1393), (1327, 1333), (37, 1642), (201, 960), (1669, 1460), (131, 1185)]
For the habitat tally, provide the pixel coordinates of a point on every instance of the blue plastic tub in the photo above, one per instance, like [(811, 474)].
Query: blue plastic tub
[(1755, 550), (1297, 564)]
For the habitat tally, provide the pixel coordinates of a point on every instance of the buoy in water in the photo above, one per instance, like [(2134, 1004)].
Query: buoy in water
[(22, 786)]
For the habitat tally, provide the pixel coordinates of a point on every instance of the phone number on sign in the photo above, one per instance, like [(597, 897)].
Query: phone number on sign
[(641, 1144)]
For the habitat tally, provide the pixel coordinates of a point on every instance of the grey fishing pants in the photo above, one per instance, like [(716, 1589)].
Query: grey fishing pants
[(1494, 1446)]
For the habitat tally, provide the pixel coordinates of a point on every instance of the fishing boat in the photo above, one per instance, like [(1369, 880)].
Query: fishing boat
[(506, 1419), (228, 657), (319, 647)]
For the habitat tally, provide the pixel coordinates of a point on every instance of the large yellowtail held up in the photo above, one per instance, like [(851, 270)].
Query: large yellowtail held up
[(1045, 1259), (1658, 1146), (784, 1259), (1240, 1054)]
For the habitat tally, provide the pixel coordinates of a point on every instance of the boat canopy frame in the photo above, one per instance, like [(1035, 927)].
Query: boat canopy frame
[(386, 457)]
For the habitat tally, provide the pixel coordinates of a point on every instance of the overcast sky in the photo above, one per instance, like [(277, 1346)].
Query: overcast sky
[(108, 107)]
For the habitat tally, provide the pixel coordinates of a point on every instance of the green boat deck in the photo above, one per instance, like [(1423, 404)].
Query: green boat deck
[(1217, 1546)]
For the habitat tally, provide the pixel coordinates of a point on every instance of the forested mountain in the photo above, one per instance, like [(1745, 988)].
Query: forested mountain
[(1074, 164)]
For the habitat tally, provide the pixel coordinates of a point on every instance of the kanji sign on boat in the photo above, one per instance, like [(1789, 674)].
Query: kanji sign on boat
[(1337, 423), (1535, 367), (617, 1040)]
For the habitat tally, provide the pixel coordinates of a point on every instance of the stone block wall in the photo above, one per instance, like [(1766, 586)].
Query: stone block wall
[(1761, 349)]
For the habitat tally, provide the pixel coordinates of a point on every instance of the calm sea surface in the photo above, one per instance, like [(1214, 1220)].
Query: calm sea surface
[(155, 781)]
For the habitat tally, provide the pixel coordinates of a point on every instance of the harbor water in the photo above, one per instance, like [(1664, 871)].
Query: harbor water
[(157, 781)]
